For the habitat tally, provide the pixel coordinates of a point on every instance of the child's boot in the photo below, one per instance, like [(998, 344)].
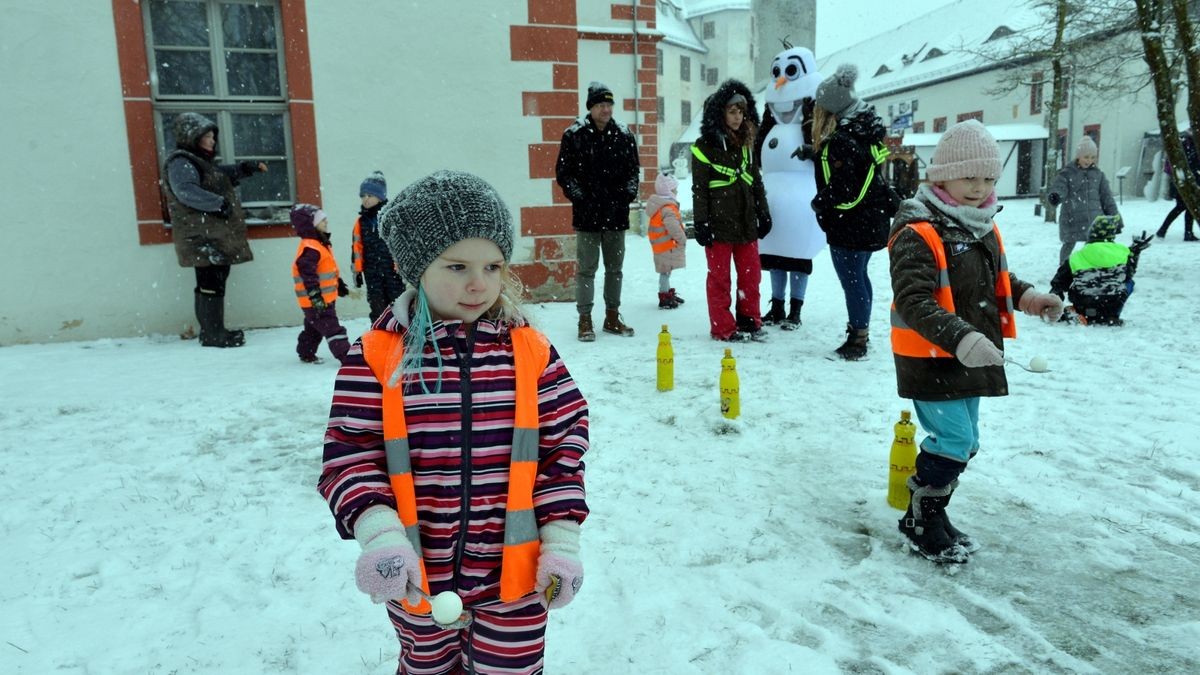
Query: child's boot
[(923, 524), (665, 301), (961, 538), (586, 332), (775, 314), (792, 322), (678, 298)]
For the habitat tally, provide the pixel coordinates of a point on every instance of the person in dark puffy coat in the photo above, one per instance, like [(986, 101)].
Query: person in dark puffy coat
[(1082, 192), (854, 205), (207, 222), (1176, 176), (729, 205), (369, 256), (598, 170)]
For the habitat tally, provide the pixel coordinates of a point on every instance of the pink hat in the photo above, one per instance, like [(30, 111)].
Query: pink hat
[(966, 150), (665, 185)]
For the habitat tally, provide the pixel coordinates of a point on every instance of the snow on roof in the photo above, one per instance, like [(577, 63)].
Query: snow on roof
[(695, 8), (675, 29), (931, 47), (1001, 132)]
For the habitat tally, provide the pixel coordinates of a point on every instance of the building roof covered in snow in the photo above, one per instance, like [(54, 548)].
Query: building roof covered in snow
[(695, 8), (672, 23), (942, 44)]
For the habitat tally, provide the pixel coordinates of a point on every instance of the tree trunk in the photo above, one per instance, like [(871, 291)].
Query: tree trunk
[(1050, 170)]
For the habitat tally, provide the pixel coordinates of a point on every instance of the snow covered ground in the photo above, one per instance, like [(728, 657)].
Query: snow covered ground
[(160, 514)]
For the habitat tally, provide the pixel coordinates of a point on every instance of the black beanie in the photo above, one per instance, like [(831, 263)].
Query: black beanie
[(598, 92)]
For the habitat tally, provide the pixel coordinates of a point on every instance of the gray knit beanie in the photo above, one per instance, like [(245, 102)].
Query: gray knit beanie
[(1086, 147), (836, 94), (438, 211), (966, 150)]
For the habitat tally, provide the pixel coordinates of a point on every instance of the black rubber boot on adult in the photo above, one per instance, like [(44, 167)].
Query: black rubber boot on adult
[(792, 322), (209, 313), (855, 346), (775, 314), (961, 538), (232, 335), (923, 525)]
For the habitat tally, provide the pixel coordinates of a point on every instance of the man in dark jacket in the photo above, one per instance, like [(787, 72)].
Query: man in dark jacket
[(207, 222), (598, 171)]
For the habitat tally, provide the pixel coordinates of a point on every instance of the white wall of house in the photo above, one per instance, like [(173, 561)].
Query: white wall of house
[(674, 91)]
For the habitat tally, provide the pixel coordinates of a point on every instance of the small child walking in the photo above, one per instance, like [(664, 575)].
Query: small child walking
[(318, 285), (1098, 278), (369, 255), (1083, 193), (454, 449), (668, 241), (953, 306)]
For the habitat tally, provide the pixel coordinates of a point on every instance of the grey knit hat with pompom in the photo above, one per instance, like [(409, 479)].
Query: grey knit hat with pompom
[(438, 211), (836, 94)]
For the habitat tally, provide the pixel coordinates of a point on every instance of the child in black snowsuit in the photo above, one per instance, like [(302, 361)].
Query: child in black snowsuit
[(1098, 278), (369, 256)]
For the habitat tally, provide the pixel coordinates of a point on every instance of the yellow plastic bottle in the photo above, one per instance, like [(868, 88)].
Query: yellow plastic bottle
[(903, 461), (731, 405), (666, 361)]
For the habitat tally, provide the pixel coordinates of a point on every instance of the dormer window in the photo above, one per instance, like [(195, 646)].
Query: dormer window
[(934, 52), (882, 70), (1001, 31)]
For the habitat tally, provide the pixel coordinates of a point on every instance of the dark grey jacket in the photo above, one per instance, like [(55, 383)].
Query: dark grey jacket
[(1083, 194), (973, 266), (599, 172)]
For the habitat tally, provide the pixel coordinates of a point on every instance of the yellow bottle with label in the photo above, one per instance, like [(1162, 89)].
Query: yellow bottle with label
[(731, 405), (666, 361), (903, 461)]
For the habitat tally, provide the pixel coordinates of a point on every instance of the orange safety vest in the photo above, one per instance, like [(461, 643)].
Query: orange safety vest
[(383, 351), (908, 342), (327, 272), (356, 247), (660, 238)]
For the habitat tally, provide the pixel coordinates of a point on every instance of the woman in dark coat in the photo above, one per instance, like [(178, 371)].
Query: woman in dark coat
[(729, 205), (854, 205), (207, 222)]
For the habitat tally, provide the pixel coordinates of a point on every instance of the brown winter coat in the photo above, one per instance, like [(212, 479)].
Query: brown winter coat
[(675, 258), (972, 265)]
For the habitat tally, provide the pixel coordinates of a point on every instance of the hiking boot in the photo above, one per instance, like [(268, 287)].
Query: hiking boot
[(923, 525), (736, 336), (586, 332), (614, 325), (792, 322), (678, 298), (667, 301), (855, 346), (775, 314)]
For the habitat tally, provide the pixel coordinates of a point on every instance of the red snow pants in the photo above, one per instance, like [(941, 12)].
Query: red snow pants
[(508, 638), (749, 274)]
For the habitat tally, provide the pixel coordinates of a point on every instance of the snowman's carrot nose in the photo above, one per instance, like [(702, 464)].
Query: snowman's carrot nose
[(780, 82)]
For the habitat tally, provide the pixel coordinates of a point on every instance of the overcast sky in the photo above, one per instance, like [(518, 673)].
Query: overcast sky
[(842, 23)]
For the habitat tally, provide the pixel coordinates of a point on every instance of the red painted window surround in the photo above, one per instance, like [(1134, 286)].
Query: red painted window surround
[(139, 118)]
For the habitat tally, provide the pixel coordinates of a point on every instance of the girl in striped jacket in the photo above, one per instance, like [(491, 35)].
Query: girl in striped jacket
[(454, 450)]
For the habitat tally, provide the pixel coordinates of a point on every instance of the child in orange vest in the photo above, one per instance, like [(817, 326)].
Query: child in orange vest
[(454, 451), (954, 302), (317, 285), (668, 241)]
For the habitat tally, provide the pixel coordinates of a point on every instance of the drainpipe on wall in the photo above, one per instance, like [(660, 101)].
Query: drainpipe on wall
[(640, 226)]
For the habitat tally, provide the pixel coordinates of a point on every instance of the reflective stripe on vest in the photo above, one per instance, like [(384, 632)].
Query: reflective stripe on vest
[(383, 351), (731, 175), (660, 238), (908, 342), (879, 153), (356, 247), (327, 274)]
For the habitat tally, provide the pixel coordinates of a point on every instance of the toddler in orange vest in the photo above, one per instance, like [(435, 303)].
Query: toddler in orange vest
[(954, 303), (668, 241), (454, 450), (317, 285)]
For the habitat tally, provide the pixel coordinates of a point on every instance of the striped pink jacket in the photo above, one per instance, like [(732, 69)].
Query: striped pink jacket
[(461, 441)]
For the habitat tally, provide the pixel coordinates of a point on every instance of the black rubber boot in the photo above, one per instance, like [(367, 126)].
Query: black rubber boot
[(961, 538), (209, 312), (232, 335), (855, 346), (775, 314), (792, 322), (923, 524)]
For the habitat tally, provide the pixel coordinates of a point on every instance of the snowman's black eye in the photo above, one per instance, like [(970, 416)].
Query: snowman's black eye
[(792, 71), (775, 72)]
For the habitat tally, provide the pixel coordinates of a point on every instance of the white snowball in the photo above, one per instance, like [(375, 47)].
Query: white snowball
[(447, 607), (1038, 364)]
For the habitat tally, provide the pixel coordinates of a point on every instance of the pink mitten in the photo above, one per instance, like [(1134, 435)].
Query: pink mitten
[(975, 350), (1045, 305), (560, 572), (388, 568)]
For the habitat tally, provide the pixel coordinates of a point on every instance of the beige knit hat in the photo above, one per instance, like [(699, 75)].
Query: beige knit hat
[(1086, 147), (966, 150)]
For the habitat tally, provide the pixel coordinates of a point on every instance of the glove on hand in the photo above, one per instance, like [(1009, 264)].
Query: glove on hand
[(803, 152), (1054, 198), (387, 568), (358, 280), (1045, 305), (559, 572), (975, 350), (1140, 243), (342, 290), (764, 226), (225, 211), (704, 235), (318, 302)]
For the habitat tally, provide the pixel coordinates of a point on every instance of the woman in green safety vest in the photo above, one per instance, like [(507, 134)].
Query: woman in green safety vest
[(854, 204), (729, 205)]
